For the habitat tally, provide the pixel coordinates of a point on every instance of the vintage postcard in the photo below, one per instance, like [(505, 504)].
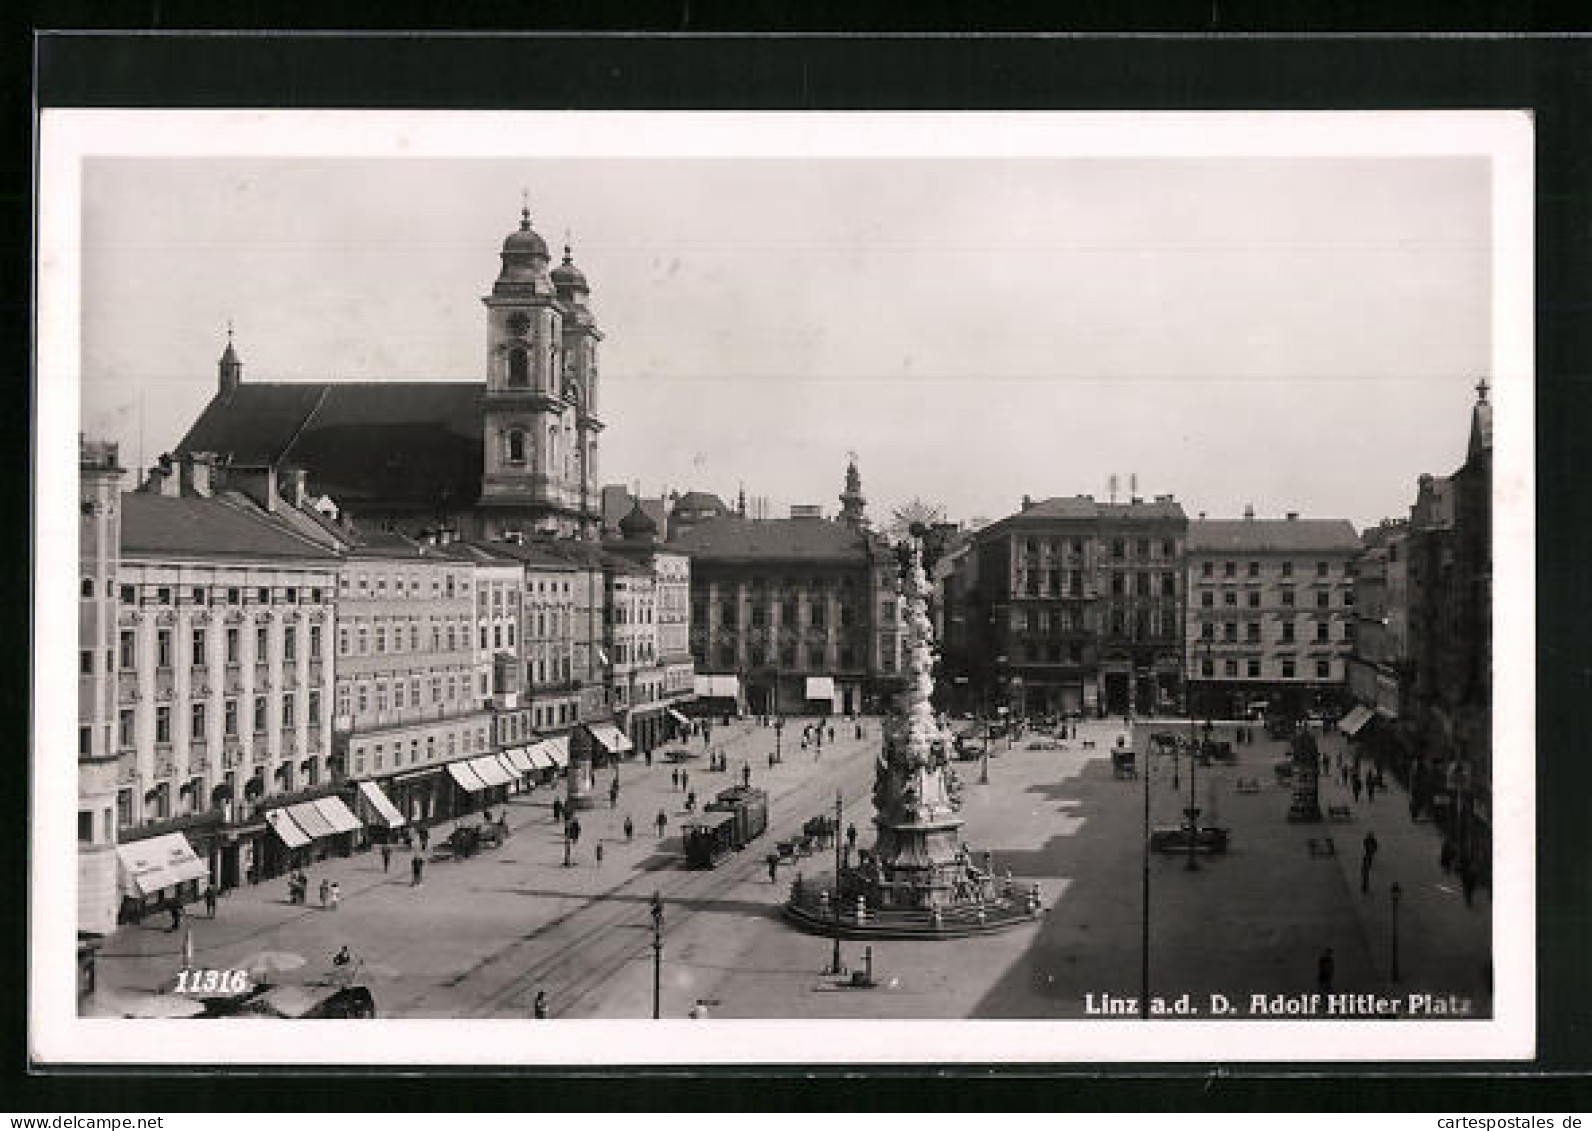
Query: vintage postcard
[(756, 588)]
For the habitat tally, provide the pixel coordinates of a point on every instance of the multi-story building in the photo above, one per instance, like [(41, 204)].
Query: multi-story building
[(662, 674), (1379, 665), (409, 713), (513, 452), (99, 548), (1449, 746), (224, 671), (794, 615), (1075, 606), (1271, 613)]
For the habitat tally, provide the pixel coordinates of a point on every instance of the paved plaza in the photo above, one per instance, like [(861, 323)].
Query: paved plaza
[(481, 937)]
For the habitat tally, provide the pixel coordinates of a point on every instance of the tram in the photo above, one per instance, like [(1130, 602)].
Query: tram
[(731, 821)]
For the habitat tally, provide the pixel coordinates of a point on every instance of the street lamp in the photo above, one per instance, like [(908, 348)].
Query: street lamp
[(779, 726), (834, 904), (1395, 893), (657, 953), (1144, 944), (1193, 810)]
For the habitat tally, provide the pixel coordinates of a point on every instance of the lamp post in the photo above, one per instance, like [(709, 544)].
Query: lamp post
[(657, 953), (1144, 943), (834, 904), (779, 726), (1395, 893), (1193, 810)]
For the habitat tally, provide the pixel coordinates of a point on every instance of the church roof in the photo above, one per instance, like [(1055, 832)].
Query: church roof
[(388, 444), (699, 500), (732, 538)]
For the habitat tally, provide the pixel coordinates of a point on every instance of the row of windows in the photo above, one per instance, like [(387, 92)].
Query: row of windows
[(1252, 598), (497, 637), (357, 641), (758, 656), (471, 741), (216, 595), (198, 647), (198, 719), (400, 694), (1143, 549), (1286, 669), (1252, 569), (1252, 632), (448, 585), (817, 614)]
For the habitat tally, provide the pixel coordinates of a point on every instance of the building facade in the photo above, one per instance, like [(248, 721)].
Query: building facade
[(99, 550), (1271, 614), (1379, 665), (224, 671), (664, 678), (1075, 607), (407, 690)]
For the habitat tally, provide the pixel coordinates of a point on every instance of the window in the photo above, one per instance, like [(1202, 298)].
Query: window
[(163, 648), (1230, 668), (1230, 632), (129, 595), (1168, 549), (1287, 632), (125, 641), (198, 595), (196, 723), (1348, 598), (1230, 599), (519, 367), (262, 643), (1321, 632), (1288, 596), (163, 724), (364, 640), (232, 645), (315, 641), (124, 729), (315, 709), (85, 662), (516, 453), (1348, 631), (234, 596), (289, 710), (1229, 569), (1252, 632), (1323, 669), (1323, 599), (289, 642), (1207, 668), (511, 634), (230, 718), (1254, 569), (86, 590), (1287, 569), (85, 740), (1254, 598), (85, 825), (1207, 569), (1287, 669), (381, 638), (1321, 569), (1208, 631), (1253, 669), (198, 647), (259, 714), (163, 595)]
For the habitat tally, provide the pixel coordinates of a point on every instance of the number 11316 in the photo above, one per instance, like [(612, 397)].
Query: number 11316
[(212, 981)]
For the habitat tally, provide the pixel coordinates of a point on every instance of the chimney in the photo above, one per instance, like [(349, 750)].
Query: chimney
[(1202, 516), (297, 487), (197, 472), (258, 483), (1249, 510), (1293, 516), (1027, 502)]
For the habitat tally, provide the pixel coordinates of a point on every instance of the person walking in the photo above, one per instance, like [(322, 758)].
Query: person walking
[(558, 809), (1368, 849), (630, 829), (662, 821), (1370, 789), (210, 900), (416, 863), (674, 778), (334, 895), (1354, 784), (1325, 968), (574, 830), (690, 802), (613, 794), (425, 838), (684, 778), (1467, 879), (1445, 858), (598, 853), (386, 857), (175, 907), (647, 754), (773, 868), (851, 838), (539, 1008), (746, 774)]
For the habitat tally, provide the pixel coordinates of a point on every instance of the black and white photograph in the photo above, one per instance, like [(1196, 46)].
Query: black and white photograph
[(942, 586)]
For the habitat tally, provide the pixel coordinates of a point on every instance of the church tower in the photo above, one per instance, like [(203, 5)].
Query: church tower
[(537, 425), (581, 337), (851, 499)]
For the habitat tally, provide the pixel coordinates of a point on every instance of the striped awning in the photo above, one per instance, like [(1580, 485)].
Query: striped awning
[(311, 820), (337, 814), (1354, 720), (466, 777), (519, 759), (159, 862), (490, 770), (557, 748), (539, 758), (679, 718), (611, 737), (286, 828), (383, 805)]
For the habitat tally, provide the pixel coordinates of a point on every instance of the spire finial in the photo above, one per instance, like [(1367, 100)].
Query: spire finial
[(569, 254), (229, 331), (1481, 391), (525, 210)]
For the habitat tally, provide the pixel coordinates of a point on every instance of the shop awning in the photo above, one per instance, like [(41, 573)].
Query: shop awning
[(612, 738), (490, 770), (509, 768), (539, 758), (679, 718), (286, 828), (380, 802), (309, 819), (466, 777), (337, 814), (1354, 720), (160, 862), (557, 748), (519, 759), (718, 686), (821, 687)]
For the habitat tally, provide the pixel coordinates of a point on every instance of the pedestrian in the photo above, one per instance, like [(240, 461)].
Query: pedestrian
[(558, 809), (210, 900), (1369, 845), (1365, 875), (773, 867), (630, 829), (342, 957), (613, 795), (690, 802), (1354, 784), (647, 753), (415, 864), (175, 907), (662, 821), (859, 731), (425, 838), (746, 774), (574, 829), (326, 893), (771, 759), (386, 857), (599, 854), (1467, 879), (1445, 859), (674, 778), (851, 837), (831, 732), (335, 895), (684, 777), (540, 1007), (1324, 971)]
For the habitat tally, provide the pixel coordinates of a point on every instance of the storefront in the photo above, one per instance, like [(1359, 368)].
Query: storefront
[(679, 725), (158, 870), (310, 830), (378, 812), (610, 742), (819, 696), (717, 695), (420, 795)]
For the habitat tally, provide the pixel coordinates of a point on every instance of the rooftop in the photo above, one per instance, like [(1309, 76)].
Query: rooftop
[(1278, 535), (217, 526), (731, 538)]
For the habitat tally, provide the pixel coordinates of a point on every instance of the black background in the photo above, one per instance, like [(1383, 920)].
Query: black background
[(1203, 57)]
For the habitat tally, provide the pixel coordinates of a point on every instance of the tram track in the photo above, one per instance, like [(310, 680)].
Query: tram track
[(594, 942)]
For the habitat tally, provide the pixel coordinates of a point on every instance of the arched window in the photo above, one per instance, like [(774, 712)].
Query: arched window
[(516, 446), (519, 368)]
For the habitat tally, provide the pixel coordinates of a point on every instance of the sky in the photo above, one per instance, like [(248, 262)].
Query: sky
[(1296, 334)]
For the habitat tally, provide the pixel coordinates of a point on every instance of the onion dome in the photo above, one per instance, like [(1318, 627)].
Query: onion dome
[(567, 275), (638, 524), (524, 256)]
